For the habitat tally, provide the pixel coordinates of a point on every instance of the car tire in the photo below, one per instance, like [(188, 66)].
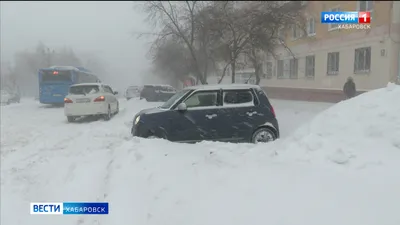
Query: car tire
[(117, 111), (70, 119), (107, 116), (128, 99), (263, 135)]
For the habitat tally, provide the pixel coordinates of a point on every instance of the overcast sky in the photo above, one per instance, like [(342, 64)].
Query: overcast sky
[(102, 28)]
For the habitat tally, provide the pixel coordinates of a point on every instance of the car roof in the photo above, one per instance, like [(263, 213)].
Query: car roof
[(223, 86), (86, 84)]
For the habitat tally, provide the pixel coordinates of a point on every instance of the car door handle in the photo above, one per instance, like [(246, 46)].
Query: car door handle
[(211, 116), (251, 113)]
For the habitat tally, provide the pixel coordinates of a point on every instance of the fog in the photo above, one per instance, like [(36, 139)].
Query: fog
[(103, 29)]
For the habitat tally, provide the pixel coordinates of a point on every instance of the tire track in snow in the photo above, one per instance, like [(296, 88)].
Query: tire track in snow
[(103, 194)]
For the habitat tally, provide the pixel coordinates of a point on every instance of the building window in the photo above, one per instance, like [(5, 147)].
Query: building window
[(334, 26), (268, 70), (296, 32), (293, 68), (311, 26), (280, 69), (333, 63), (283, 71), (310, 66), (362, 60), (365, 6)]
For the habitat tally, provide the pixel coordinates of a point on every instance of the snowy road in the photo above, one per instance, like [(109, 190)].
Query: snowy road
[(44, 159)]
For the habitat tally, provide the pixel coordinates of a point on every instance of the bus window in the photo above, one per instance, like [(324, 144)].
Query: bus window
[(49, 76)]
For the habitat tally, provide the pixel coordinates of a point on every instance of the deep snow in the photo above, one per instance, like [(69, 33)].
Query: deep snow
[(338, 169)]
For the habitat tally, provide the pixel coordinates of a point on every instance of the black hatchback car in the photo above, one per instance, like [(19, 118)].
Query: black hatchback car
[(232, 113), (157, 93)]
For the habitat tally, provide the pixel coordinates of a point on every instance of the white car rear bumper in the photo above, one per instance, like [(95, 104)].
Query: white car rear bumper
[(85, 109)]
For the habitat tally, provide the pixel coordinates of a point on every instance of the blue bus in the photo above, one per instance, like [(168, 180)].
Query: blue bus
[(54, 82)]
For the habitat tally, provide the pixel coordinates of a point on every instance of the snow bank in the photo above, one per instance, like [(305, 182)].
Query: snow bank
[(155, 182), (360, 132)]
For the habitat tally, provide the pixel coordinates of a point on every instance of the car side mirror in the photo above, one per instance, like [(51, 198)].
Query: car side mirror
[(181, 107), (115, 92)]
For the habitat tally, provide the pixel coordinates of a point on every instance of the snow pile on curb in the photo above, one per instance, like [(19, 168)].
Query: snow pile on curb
[(359, 132)]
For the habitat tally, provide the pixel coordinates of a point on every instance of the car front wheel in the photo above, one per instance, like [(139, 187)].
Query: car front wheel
[(263, 135)]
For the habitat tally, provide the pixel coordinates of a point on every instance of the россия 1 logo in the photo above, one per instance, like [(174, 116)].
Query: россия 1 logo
[(347, 20)]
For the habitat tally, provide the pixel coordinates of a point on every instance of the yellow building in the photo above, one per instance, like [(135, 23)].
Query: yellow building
[(325, 56)]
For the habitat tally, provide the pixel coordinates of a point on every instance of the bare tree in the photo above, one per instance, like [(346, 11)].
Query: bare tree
[(172, 59), (177, 19), (27, 64), (229, 21), (265, 20), (252, 26)]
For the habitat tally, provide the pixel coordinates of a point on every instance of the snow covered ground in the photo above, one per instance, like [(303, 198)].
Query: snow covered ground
[(340, 168)]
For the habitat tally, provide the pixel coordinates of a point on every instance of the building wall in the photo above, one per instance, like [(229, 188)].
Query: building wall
[(381, 60), (383, 38), (384, 50)]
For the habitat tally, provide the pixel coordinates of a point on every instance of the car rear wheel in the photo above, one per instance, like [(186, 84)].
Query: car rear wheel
[(263, 135), (70, 119), (108, 115)]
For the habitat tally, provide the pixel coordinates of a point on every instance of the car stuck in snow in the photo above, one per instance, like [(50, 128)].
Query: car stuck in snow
[(232, 113)]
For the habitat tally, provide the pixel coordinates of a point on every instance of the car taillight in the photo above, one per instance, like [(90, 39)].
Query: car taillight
[(273, 111), (67, 100), (99, 99)]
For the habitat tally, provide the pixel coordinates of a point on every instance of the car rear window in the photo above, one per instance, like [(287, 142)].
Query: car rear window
[(84, 89)]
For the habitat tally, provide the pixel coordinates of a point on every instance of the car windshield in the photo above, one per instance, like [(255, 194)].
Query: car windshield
[(171, 101), (132, 90), (84, 89)]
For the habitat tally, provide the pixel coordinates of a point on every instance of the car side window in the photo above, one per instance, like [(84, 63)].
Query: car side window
[(202, 99), (238, 98), (108, 89)]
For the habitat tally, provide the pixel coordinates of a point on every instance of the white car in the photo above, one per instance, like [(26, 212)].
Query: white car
[(5, 97), (90, 99), (132, 92)]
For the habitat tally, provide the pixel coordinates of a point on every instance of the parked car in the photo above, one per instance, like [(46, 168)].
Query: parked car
[(90, 99), (132, 92), (7, 97), (157, 93), (232, 113), (15, 98)]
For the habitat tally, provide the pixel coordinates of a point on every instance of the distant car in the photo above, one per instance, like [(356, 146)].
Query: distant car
[(157, 93), (15, 98), (7, 97), (132, 92), (232, 113), (90, 99)]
